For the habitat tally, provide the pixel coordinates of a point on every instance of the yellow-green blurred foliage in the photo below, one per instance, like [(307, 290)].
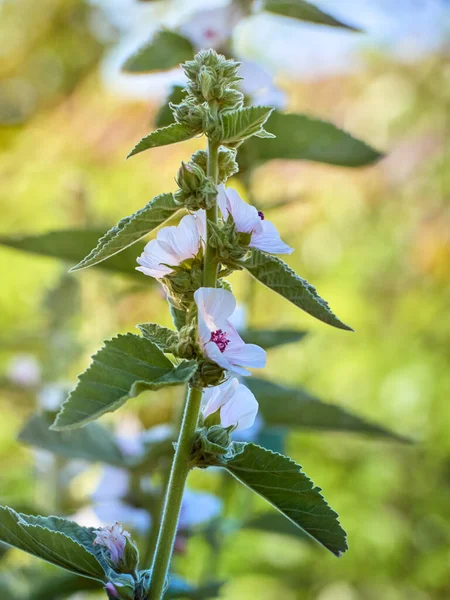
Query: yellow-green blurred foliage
[(374, 241)]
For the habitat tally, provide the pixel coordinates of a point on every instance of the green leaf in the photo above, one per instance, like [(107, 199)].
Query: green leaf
[(283, 406), (93, 442), (61, 546), (299, 137), (281, 482), (163, 137), (178, 317), (164, 51), (126, 366), (277, 276), (272, 338), (165, 116), (130, 230), (73, 245), (304, 11), (273, 522), (163, 337), (241, 124), (178, 588)]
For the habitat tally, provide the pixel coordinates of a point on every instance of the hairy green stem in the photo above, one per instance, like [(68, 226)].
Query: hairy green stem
[(210, 269), (181, 462)]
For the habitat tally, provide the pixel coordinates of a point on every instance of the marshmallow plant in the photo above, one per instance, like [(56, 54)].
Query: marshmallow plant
[(218, 234)]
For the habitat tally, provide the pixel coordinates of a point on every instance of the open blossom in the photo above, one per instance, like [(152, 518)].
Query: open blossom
[(114, 539), (219, 339), (264, 234), (238, 406), (212, 27), (173, 245)]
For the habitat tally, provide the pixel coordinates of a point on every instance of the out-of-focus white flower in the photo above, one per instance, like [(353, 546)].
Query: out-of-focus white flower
[(136, 518), (219, 339), (250, 434), (24, 370), (237, 405), (239, 318), (264, 234), (114, 539), (52, 395), (257, 83), (212, 28), (198, 508), (173, 245)]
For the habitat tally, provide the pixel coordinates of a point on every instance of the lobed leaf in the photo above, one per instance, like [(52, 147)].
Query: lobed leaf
[(62, 546), (283, 406), (166, 50), (304, 11), (92, 443), (243, 123), (281, 482), (163, 337), (73, 245), (172, 134), (130, 230), (299, 137), (277, 276), (126, 366)]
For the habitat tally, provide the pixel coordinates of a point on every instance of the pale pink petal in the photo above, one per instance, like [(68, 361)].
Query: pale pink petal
[(200, 221), (215, 397), (247, 355), (213, 353), (154, 259), (269, 240), (222, 201), (244, 215), (240, 410), (183, 241), (214, 305)]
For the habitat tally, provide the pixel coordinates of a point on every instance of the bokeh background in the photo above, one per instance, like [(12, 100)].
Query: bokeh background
[(375, 241)]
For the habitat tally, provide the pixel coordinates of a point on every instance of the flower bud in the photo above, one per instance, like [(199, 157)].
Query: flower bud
[(189, 113), (190, 177), (117, 548), (123, 587), (207, 83), (208, 374)]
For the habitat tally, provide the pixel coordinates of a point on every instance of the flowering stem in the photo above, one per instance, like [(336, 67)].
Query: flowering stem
[(181, 464), (174, 495), (210, 268)]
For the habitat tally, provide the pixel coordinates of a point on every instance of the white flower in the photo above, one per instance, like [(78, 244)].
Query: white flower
[(114, 539), (264, 235), (211, 28), (24, 370), (52, 395), (258, 84), (198, 508), (173, 245), (219, 339), (238, 406)]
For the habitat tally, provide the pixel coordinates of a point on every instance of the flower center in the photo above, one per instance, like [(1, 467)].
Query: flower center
[(261, 215), (220, 339), (210, 33)]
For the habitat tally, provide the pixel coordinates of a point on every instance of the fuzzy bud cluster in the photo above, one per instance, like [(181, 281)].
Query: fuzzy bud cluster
[(196, 190), (213, 78)]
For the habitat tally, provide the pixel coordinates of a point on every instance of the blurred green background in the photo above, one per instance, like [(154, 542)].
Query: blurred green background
[(374, 241)]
